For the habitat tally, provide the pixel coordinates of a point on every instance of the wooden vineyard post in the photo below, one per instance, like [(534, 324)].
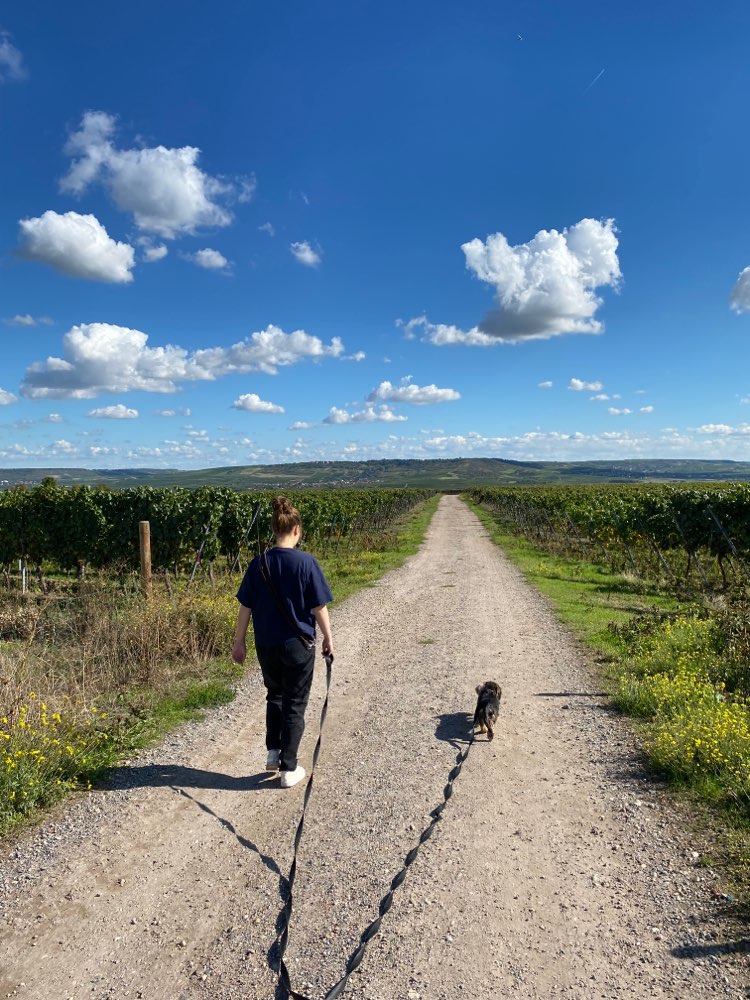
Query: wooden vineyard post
[(144, 531)]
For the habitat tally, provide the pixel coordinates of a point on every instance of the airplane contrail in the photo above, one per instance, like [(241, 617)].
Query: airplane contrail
[(593, 81)]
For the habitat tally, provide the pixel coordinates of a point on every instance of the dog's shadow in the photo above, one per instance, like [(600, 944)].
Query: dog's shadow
[(454, 728)]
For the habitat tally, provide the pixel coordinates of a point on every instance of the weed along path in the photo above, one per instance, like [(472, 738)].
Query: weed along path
[(557, 869)]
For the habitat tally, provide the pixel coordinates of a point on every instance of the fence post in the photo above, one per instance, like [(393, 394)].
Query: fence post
[(144, 532)]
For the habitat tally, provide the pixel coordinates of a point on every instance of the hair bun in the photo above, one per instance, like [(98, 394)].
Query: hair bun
[(285, 516)]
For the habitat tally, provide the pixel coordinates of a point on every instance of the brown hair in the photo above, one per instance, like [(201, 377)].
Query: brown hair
[(285, 516)]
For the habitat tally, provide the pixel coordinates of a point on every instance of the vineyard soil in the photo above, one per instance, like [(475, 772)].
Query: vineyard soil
[(559, 869)]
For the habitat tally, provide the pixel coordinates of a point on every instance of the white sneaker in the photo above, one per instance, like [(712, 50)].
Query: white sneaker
[(289, 778), (273, 760)]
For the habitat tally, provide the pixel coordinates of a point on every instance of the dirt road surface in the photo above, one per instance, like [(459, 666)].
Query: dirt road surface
[(558, 869)]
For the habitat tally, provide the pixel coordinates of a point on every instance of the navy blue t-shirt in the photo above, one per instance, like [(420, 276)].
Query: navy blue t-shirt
[(301, 586)]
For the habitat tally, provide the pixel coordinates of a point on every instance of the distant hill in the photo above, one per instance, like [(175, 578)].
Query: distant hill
[(438, 473)]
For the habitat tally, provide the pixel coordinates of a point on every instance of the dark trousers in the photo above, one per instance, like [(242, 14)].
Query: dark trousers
[(287, 673)]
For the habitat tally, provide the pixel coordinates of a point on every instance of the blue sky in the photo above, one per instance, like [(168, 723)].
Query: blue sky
[(240, 233)]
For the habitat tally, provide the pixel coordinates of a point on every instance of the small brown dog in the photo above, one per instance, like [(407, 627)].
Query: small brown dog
[(488, 708)]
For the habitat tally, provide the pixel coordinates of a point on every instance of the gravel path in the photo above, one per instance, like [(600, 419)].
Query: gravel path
[(557, 870)]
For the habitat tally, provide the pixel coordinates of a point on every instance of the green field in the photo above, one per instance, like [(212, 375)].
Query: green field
[(442, 474)]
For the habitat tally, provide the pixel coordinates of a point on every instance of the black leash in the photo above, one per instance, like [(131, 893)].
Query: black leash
[(355, 959), (286, 912)]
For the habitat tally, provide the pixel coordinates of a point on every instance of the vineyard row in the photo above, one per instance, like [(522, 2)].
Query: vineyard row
[(646, 527), (71, 527)]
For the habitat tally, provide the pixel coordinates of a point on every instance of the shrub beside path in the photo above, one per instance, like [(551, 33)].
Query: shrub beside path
[(558, 869)]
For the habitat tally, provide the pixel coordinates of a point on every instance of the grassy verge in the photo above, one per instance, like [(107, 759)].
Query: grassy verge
[(91, 673), (349, 570), (680, 669), (585, 597)]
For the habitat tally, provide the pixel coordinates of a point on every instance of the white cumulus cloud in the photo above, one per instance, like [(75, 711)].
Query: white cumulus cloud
[(101, 357), (300, 425), (252, 403), (578, 385), (407, 392), (647, 409), (739, 300), (163, 188), (619, 412), (544, 288), (305, 254), (153, 253), (442, 334), (118, 412), (63, 447), (545, 385), (723, 430), (369, 415), (211, 260), (7, 397), (76, 245), (266, 351)]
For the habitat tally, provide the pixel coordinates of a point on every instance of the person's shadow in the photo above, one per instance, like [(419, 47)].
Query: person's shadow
[(168, 775), (272, 953), (180, 778)]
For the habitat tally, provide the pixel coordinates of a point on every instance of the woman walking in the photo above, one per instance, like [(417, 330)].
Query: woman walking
[(285, 592)]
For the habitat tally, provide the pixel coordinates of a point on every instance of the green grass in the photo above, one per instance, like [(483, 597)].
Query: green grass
[(456, 473), (348, 571), (645, 656), (187, 700), (584, 596), (148, 669)]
